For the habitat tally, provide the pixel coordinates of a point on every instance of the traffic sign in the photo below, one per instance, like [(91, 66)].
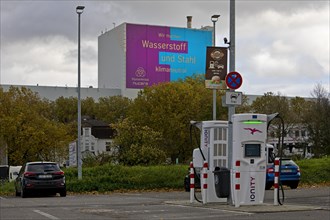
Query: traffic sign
[(233, 98), (234, 80)]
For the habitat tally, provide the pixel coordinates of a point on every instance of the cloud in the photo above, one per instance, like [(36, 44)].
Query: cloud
[(38, 60), (281, 50), (280, 45)]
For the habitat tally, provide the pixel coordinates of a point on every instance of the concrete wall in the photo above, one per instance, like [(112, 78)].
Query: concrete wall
[(111, 58)]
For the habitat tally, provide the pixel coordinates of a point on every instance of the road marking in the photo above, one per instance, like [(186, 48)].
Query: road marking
[(214, 209), (45, 214), (2, 198)]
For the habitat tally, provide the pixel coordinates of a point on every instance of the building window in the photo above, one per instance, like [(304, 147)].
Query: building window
[(297, 133), (87, 146), (107, 146), (303, 133)]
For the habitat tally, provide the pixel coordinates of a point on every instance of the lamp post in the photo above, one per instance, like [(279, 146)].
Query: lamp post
[(214, 19), (79, 11)]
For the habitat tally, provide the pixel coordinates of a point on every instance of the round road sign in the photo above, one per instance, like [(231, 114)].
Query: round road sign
[(234, 80)]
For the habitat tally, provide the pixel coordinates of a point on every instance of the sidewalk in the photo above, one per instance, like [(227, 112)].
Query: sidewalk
[(262, 208)]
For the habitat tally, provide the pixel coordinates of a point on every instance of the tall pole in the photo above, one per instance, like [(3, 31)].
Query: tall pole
[(79, 11), (214, 19), (214, 90), (231, 108)]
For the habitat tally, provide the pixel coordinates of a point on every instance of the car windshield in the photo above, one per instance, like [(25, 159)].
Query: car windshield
[(43, 167), (288, 163)]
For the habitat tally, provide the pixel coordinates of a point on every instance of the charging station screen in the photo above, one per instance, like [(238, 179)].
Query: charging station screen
[(252, 150)]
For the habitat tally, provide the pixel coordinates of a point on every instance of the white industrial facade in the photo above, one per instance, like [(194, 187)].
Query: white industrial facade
[(112, 61)]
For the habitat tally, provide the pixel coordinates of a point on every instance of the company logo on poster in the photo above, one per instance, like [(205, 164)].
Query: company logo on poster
[(156, 54)]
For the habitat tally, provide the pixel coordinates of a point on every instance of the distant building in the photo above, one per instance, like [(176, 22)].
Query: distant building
[(96, 138), (133, 56), (296, 141)]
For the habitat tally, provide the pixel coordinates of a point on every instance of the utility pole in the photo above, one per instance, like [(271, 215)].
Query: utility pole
[(79, 11), (231, 108)]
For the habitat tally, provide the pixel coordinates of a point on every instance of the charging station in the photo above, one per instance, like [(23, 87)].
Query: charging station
[(214, 151), (246, 179), (249, 162)]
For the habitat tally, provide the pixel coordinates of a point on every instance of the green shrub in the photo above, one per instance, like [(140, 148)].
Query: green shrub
[(109, 177), (315, 171), (116, 177), (7, 188)]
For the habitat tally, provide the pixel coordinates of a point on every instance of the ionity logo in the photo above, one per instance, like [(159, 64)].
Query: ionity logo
[(253, 130)]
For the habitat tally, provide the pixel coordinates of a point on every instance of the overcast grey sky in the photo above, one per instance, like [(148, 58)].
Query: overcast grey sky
[(281, 46)]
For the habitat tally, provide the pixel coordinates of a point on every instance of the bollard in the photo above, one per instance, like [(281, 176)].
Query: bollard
[(204, 182), (192, 182), (276, 173), (237, 182)]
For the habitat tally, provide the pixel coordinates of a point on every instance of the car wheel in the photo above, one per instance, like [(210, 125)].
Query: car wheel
[(63, 193), (268, 186), (23, 193), (294, 185)]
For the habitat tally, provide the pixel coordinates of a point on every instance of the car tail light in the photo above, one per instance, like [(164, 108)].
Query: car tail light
[(28, 174), (270, 170), (59, 173)]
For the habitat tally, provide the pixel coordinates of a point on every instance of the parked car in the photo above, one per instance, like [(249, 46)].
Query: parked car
[(289, 176), (40, 177)]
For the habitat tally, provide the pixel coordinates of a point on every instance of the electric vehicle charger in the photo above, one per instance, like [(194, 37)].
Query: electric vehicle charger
[(192, 127), (280, 143), (248, 177)]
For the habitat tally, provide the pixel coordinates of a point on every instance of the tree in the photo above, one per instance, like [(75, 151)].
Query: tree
[(88, 107), (168, 108), (27, 129), (318, 121), (137, 145), (112, 109), (270, 103), (65, 109)]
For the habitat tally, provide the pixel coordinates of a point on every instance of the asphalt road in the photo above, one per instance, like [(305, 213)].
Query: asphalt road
[(302, 203)]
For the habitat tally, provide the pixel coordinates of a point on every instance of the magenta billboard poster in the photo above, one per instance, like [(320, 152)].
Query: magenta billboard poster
[(156, 54)]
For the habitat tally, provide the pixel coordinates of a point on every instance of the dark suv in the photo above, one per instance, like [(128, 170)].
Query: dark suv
[(44, 177)]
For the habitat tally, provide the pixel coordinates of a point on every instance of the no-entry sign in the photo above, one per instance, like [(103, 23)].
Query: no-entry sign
[(234, 80)]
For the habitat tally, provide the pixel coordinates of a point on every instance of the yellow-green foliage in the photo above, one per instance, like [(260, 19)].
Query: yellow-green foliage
[(7, 188), (314, 171)]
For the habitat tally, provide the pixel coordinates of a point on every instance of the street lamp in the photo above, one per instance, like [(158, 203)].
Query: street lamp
[(79, 11), (214, 19)]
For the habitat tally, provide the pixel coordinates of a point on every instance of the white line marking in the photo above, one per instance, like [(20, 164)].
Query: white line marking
[(45, 214), (215, 209)]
